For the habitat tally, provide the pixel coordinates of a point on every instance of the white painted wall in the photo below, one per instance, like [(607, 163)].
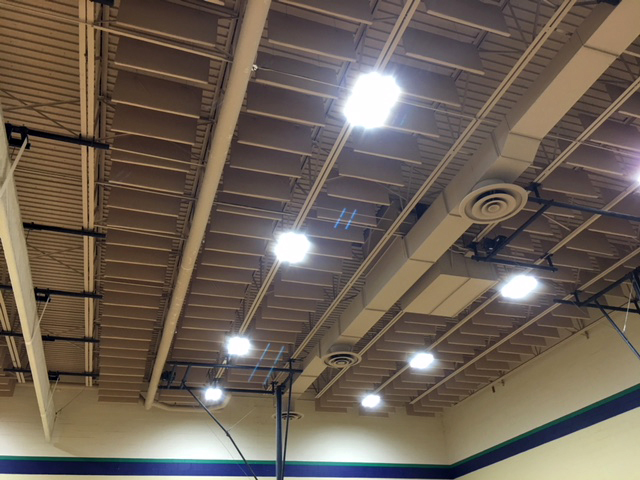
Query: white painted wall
[(86, 428), (579, 373)]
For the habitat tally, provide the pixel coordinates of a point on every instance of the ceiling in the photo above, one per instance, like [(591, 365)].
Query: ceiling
[(504, 92)]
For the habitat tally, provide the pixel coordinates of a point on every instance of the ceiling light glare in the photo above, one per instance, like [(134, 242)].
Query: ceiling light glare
[(238, 346), (421, 360), (371, 401), (213, 394), (292, 247), (519, 287), (371, 100)]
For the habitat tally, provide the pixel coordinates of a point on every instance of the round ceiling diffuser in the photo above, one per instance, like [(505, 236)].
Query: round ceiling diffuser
[(341, 356), (493, 201)]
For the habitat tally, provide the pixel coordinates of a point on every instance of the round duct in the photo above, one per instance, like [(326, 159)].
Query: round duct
[(292, 415), (493, 201), (341, 356)]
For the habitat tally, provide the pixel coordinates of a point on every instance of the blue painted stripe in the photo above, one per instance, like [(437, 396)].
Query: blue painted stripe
[(64, 466)]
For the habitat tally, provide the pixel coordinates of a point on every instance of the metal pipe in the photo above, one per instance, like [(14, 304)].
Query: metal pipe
[(513, 263), (606, 290), (620, 332), (233, 367), (70, 231), (518, 231), (247, 391), (580, 208), (253, 24), (54, 373), (26, 131), (279, 466), (51, 338), (60, 293), (598, 306)]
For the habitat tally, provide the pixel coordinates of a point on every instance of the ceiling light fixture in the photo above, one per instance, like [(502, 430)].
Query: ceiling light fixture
[(238, 346), (371, 401), (292, 247), (421, 360), (372, 98), (213, 394), (519, 286)]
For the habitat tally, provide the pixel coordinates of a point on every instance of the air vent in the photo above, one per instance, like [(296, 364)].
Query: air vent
[(493, 201), (292, 415), (341, 356)]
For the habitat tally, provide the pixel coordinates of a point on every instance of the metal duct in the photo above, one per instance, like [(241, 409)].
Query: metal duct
[(504, 156)]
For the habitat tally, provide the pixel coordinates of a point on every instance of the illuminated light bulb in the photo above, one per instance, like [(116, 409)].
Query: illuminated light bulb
[(371, 401), (519, 287), (292, 247), (421, 360), (213, 394), (238, 346), (372, 98)]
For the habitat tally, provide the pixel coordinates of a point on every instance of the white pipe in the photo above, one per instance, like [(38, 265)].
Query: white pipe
[(253, 24)]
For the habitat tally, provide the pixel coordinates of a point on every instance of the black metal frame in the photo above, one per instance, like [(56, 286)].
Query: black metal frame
[(44, 294), (25, 132), (54, 374), (52, 338), (69, 231)]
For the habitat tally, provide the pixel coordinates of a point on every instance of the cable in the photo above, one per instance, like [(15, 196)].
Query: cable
[(626, 317), (223, 429)]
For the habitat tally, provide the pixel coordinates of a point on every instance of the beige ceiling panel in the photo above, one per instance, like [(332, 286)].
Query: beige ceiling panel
[(618, 135), (424, 85), (471, 340), (274, 134), (311, 37), (205, 324), (291, 304), (141, 221), (147, 202), (421, 319), (147, 161), (614, 226), (415, 328), (158, 125), (233, 244), (129, 312), (228, 275), (493, 320), (365, 167), (274, 337), (440, 50), (472, 13), (131, 239), (196, 344), (210, 313), (153, 179), (596, 160), (170, 63), (278, 326), (157, 94), (151, 147), (526, 340), (292, 290), (136, 256), (296, 75), (389, 144), (556, 322), (592, 242), (169, 20), (110, 352), (571, 182), (307, 277), (357, 190), (506, 310), (480, 330), (218, 289), (572, 259), (449, 286), (342, 211), (283, 314), (130, 323), (321, 264), (259, 185), (242, 226), (250, 211), (122, 344), (540, 331), (352, 10), (285, 105), (126, 334), (412, 119), (245, 157), (331, 248), (124, 363), (325, 230), (232, 260), (540, 226), (631, 107), (135, 272), (215, 302), (131, 299)]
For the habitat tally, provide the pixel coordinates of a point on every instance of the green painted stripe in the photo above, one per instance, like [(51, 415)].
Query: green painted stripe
[(551, 423)]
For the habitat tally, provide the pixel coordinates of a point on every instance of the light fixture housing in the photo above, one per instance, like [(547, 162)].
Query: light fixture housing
[(371, 401), (372, 98), (292, 247), (238, 346), (213, 394), (519, 286), (421, 360)]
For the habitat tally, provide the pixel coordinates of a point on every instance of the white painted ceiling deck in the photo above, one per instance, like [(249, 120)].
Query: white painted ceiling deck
[(152, 85)]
